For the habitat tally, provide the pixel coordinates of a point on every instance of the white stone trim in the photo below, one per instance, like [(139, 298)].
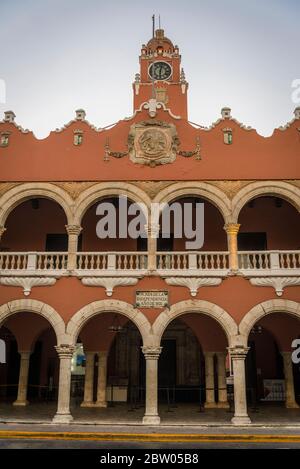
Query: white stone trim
[(27, 283), (38, 307), (108, 189), (193, 283), (196, 188), (263, 309), (79, 319), (109, 283), (22, 192), (285, 190), (278, 283), (212, 310)]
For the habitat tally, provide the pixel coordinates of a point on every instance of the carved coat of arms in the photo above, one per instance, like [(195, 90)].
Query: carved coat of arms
[(153, 142)]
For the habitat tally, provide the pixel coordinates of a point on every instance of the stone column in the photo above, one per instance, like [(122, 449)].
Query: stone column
[(23, 379), (290, 401), (73, 234), (151, 354), (222, 386), (63, 414), (238, 355), (88, 380), (102, 379), (232, 230), (209, 380), (2, 231), (153, 231)]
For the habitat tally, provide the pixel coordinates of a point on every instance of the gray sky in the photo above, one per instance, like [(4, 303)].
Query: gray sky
[(59, 55)]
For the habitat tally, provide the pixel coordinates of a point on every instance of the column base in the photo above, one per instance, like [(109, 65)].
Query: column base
[(62, 418), (102, 404), (87, 404), (291, 405), (151, 420), (223, 405), (210, 405), (21, 403), (241, 420)]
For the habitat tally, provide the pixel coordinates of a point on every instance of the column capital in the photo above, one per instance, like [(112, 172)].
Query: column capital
[(232, 228), (286, 354), (208, 353), (65, 350), (152, 229), (151, 352), (238, 353), (73, 229), (25, 354), (2, 230)]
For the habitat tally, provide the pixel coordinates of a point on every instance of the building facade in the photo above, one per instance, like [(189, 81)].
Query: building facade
[(149, 321)]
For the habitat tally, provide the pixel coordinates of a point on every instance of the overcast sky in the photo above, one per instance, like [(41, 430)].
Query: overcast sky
[(61, 55)]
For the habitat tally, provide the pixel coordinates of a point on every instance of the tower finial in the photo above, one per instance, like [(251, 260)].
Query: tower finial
[(153, 25)]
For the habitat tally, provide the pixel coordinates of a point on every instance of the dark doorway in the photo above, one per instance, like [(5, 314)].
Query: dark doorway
[(167, 363), (252, 241), (34, 372), (59, 242)]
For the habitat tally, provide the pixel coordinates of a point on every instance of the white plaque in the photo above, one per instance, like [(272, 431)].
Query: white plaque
[(152, 299)]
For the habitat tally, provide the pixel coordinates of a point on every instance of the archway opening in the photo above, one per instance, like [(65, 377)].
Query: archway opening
[(264, 222), (193, 370), (108, 372), (272, 379), (41, 223), (31, 372)]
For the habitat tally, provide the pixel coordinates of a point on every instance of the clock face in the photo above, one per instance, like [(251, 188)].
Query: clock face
[(160, 71)]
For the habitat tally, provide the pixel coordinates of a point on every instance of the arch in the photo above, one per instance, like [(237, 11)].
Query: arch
[(18, 194), (263, 309), (285, 190), (38, 307), (195, 306), (82, 316), (201, 189), (108, 189)]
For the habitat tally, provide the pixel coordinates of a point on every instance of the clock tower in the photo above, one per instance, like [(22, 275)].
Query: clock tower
[(161, 76)]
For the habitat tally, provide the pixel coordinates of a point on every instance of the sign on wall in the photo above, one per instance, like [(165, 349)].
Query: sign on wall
[(152, 299)]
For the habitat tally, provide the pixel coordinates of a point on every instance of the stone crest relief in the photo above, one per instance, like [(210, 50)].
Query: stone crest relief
[(153, 142)]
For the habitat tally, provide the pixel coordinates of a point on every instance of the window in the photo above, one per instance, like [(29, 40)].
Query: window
[(78, 137), (227, 134), (4, 139)]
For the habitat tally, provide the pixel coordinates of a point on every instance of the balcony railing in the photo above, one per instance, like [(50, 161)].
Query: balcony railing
[(120, 263), (116, 261), (201, 261), (32, 262), (272, 261)]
